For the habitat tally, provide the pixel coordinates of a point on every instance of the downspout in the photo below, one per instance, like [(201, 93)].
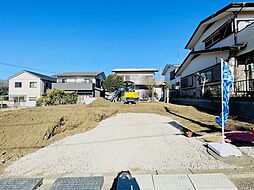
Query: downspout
[(234, 23), (235, 42)]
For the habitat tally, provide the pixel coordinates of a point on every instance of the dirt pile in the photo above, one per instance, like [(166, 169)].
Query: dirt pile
[(26, 130)]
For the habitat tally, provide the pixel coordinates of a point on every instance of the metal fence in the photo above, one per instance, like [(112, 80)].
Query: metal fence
[(244, 88)]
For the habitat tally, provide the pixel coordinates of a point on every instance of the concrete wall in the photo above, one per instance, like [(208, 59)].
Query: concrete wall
[(240, 107)]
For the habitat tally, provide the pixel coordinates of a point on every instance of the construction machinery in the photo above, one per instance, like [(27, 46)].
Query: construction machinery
[(126, 94)]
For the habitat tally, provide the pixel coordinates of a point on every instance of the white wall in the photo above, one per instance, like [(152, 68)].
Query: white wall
[(26, 91), (202, 62), (167, 76), (246, 35), (137, 77), (201, 45)]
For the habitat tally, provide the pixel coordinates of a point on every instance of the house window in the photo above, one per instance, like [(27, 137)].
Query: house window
[(98, 83), (187, 82), (32, 99), (224, 31), (172, 75), (33, 85), (209, 76), (64, 80), (18, 84), (216, 73)]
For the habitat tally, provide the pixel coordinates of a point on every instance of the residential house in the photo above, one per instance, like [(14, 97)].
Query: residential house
[(26, 86), (229, 35), (169, 73), (144, 80), (159, 90), (85, 84)]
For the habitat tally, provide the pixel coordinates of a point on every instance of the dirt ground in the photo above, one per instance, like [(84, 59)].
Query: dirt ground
[(23, 131)]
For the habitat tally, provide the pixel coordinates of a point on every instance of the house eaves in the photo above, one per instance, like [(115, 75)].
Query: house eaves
[(167, 67), (79, 74), (135, 70), (233, 7), (194, 54)]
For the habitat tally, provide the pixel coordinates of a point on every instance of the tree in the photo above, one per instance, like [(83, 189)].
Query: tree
[(168, 85), (150, 84), (113, 82)]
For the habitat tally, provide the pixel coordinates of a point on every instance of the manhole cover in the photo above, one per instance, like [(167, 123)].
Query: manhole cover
[(20, 184), (78, 183)]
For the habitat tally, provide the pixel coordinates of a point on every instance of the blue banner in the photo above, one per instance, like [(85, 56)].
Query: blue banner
[(227, 85)]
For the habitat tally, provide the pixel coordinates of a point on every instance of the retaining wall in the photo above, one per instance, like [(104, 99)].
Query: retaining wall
[(241, 107)]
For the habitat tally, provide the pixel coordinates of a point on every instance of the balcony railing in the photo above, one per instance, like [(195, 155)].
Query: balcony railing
[(73, 86), (244, 88)]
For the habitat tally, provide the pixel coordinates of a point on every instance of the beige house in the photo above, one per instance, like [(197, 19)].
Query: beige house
[(141, 77), (26, 86)]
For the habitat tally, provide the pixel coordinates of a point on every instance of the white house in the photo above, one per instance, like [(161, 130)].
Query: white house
[(26, 86), (227, 34), (141, 77), (169, 73)]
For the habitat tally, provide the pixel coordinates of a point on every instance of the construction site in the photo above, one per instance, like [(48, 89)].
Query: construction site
[(32, 130)]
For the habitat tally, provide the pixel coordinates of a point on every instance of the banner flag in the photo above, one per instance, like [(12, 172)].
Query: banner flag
[(227, 85)]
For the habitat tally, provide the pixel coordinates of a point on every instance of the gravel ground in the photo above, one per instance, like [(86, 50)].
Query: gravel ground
[(139, 142), (248, 150)]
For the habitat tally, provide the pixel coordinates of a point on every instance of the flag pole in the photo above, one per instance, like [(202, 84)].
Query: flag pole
[(222, 101)]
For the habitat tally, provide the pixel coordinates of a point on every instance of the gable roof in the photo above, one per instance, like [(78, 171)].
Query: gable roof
[(38, 75), (78, 74), (204, 24), (167, 67)]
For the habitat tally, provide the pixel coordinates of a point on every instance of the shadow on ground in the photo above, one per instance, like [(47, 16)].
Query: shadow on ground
[(211, 128)]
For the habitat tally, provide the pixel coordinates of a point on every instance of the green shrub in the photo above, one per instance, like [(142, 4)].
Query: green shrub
[(57, 97)]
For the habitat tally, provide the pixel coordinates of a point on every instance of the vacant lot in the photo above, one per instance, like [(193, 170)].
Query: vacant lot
[(24, 131)]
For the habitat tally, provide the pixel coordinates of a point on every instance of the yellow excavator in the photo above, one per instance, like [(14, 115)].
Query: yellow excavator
[(126, 94)]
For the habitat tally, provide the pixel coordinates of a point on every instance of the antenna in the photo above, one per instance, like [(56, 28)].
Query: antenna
[(178, 54)]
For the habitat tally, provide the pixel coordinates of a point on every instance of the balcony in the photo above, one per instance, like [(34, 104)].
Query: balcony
[(73, 86)]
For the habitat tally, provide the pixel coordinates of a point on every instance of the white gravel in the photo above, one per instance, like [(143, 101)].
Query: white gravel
[(125, 142), (248, 150)]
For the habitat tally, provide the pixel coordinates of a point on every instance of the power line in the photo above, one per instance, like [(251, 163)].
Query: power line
[(27, 68)]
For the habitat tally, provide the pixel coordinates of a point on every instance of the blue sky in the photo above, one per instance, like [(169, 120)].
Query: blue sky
[(52, 36)]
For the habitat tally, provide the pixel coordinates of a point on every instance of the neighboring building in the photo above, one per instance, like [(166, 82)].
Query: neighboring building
[(160, 90), (142, 79), (227, 34), (169, 72), (85, 84), (26, 86)]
